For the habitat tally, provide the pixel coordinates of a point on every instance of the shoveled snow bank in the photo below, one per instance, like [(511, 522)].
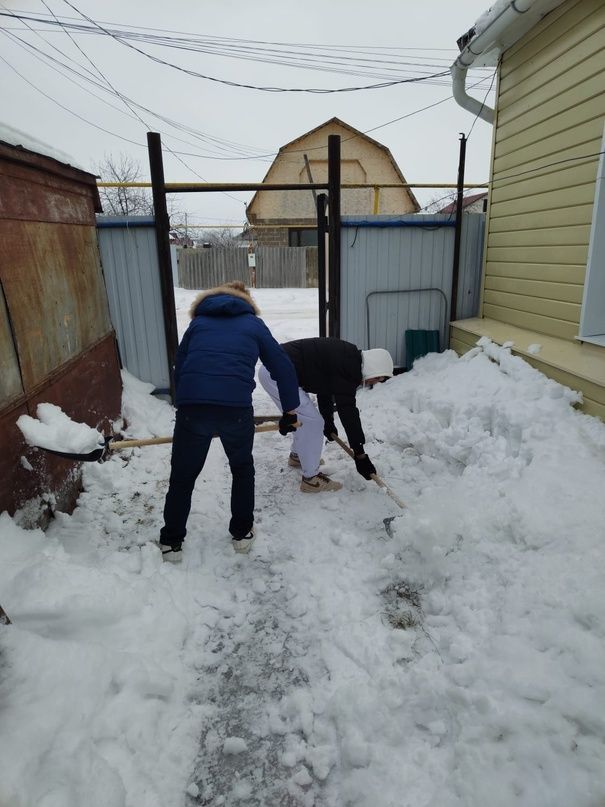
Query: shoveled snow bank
[(457, 661)]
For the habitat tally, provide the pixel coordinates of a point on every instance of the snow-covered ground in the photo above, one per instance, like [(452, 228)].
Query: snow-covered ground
[(456, 660)]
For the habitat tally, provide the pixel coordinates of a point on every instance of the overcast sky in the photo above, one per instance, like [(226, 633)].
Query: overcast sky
[(425, 145)]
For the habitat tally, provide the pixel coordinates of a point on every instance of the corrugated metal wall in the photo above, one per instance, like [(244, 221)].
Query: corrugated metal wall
[(132, 276), (381, 265), (276, 267), (551, 107), (56, 340)]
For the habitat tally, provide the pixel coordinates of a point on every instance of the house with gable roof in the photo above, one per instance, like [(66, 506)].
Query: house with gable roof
[(288, 218)]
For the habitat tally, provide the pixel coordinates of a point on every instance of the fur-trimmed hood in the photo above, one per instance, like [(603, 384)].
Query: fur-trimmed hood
[(234, 289)]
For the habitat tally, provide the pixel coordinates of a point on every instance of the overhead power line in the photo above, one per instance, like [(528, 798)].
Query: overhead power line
[(364, 60), (238, 151), (202, 136)]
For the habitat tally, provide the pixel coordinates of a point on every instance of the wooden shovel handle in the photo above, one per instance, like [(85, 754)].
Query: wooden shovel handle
[(116, 445), (381, 483), (343, 445)]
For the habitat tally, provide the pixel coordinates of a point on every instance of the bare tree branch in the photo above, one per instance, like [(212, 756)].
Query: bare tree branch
[(128, 201)]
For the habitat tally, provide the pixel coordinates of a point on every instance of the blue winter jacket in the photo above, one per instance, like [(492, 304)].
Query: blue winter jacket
[(218, 353)]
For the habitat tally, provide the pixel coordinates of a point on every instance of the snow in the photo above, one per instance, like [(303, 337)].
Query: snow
[(53, 429), (457, 659), (15, 137), (534, 348)]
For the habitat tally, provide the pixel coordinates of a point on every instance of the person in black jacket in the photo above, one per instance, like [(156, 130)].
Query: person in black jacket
[(333, 369)]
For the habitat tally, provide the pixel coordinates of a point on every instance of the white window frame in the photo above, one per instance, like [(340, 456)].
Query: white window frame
[(592, 317)]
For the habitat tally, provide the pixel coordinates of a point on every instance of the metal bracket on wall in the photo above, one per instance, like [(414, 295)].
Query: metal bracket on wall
[(405, 291)]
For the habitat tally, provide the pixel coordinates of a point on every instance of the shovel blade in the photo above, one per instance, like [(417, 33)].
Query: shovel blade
[(91, 456)]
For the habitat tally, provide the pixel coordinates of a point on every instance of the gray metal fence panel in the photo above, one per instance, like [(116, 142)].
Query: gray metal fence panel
[(397, 274), (276, 267), (471, 262), (130, 265)]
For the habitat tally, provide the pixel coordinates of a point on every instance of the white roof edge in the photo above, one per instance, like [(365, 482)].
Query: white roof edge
[(498, 28), (15, 137)]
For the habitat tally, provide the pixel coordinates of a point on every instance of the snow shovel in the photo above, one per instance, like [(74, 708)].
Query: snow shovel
[(381, 483), (117, 445)]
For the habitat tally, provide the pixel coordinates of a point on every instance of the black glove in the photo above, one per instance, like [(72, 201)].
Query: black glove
[(364, 466), (286, 423), (330, 429)]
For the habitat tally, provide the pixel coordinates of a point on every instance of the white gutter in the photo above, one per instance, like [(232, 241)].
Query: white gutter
[(499, 28)]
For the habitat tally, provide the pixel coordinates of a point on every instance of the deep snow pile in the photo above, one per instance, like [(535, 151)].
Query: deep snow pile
[(457, 660)]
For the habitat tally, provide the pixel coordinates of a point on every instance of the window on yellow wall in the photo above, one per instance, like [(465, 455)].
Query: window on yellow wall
[(592, 318)]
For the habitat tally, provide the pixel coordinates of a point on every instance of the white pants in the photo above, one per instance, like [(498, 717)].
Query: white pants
[(307, 440)]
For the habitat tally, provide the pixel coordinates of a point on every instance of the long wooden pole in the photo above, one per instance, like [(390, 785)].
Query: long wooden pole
[(116, 445), (381, 483)]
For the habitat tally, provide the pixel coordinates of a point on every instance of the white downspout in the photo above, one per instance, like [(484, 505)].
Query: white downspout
[(486, 41)]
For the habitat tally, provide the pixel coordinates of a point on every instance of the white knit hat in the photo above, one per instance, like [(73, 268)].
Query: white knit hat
[(375, 363)]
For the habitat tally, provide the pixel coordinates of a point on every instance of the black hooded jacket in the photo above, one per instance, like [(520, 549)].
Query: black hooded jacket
[(331, 368)]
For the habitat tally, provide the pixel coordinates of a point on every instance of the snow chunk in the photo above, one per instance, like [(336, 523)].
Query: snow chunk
[(54, 430), (234, 745), (302, 778), (534, 348)]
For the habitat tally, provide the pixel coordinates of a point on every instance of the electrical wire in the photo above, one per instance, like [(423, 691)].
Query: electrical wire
[(346, 59), (187, 129), (491, 84), (70, 111), (196, 74), (382, 125), (51, 62), (554, 164), (146, 125)]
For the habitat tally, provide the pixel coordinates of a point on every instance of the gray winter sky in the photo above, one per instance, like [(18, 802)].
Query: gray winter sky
[(423, 35)]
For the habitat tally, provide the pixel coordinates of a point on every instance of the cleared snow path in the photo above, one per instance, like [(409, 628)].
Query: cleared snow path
[(456, 662)]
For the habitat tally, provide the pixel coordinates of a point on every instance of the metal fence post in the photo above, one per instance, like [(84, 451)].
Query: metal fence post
[(334, 234), (321, 260), (457, 232), (162, 228)]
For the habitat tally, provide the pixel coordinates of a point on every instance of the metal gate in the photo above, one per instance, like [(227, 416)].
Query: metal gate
[(129, 257)]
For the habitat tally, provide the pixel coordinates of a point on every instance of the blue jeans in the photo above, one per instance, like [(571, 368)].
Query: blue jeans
[(194, 429)]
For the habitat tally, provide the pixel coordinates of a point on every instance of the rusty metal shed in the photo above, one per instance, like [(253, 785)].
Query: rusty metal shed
[(57, 343)]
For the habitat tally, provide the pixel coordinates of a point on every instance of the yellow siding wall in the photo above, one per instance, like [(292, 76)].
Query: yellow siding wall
[(361, 162), (551, 107)]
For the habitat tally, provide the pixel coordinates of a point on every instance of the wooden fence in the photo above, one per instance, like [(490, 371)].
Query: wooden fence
[(276, 267)]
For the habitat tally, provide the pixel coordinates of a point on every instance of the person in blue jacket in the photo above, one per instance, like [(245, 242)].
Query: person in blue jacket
[(214, 380)]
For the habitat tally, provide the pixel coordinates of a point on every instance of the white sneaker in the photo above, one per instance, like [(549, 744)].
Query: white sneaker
[(319, 483), (242, 545), (172, 554)]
